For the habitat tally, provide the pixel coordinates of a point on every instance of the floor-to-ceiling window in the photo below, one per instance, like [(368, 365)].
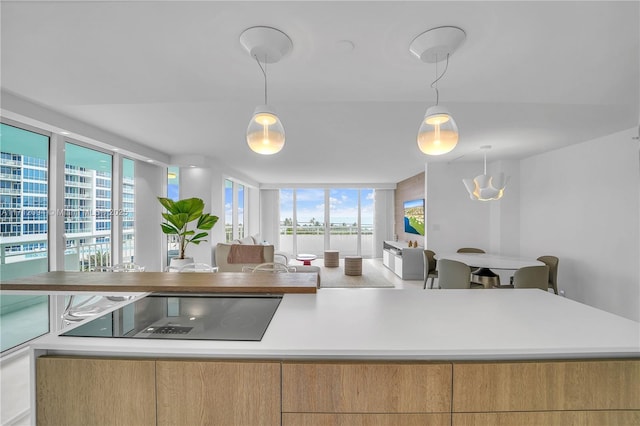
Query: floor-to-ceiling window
[(309, 221), (128, 210), (235, 213), (24, 168), (173, 192), (240, 211), (313, 220), (228, 210), (88, 208)]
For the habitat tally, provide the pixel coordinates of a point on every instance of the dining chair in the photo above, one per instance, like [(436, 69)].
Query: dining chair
[(532, 277), (429, 267), (453, 274), (552, 263), (127, 267), (198, 267), (273, 267), (483, 276), (470, 250)]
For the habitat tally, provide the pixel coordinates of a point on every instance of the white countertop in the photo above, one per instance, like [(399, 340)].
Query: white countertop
[(404, 324)]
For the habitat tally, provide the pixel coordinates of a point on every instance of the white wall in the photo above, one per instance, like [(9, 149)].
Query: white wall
[(270, 216), (384, 221), (149, 184), (197, 182), (581, 203), (453, 219)]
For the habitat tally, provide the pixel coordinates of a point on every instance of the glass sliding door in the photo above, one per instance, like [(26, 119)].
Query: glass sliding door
[(309, 221), (24, 245), (343, 222), (314, 220), (87, 212)]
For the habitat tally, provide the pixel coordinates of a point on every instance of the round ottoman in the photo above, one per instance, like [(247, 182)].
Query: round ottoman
[(353, 265), (331, 258)]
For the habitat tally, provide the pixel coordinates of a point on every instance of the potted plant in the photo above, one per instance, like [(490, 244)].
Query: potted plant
[(180, 214)]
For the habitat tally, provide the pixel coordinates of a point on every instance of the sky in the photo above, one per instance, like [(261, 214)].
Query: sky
[(343, 205)]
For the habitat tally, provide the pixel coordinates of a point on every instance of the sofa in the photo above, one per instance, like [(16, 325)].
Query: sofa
[(230, 259), (222, 251)]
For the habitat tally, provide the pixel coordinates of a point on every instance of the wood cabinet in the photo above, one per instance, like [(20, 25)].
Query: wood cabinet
[(90, 391), (333, 419), (218, 393), (81, 391), (405, 262), (553, 392), (320, 393)]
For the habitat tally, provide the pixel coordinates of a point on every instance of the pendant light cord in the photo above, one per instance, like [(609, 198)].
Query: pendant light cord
[(438, 78), (485, 162), (264, 72)]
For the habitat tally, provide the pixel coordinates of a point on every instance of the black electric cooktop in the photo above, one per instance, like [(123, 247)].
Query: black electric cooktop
[(188, 317)]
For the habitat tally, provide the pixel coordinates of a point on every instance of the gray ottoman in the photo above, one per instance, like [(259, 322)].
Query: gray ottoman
[(331, 258), (353, 265)]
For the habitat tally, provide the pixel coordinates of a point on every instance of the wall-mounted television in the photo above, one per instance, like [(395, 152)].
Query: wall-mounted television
[(414, 217)]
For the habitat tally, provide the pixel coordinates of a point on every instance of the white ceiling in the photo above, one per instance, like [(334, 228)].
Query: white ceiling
[(530, 77)]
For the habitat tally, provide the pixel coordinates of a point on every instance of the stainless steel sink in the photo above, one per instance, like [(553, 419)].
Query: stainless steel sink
[(190, 317)]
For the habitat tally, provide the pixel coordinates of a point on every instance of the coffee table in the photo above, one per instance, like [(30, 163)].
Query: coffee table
[(306, 258)]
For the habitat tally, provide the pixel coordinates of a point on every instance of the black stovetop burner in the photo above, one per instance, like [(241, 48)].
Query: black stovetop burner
[(188, 317)]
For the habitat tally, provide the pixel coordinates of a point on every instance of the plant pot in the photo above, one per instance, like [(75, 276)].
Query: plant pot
[(176, 264)]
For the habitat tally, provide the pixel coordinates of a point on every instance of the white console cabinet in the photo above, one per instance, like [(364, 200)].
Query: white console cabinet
[(405, 262)]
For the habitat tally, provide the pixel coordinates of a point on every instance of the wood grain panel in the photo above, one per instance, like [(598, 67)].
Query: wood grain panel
[(74, 391), (542, 386), (366, 387), (218, 393), (226, 282), (326, 419), (549, 418)]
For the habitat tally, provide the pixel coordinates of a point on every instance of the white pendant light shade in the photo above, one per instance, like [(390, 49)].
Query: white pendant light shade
[(486, 187), (438, 133), (265, 133)]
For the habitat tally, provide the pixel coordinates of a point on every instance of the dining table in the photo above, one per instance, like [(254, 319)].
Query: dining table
[(491, 262)]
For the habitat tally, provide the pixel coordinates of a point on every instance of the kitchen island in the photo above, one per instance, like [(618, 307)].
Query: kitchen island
[(364, 356)]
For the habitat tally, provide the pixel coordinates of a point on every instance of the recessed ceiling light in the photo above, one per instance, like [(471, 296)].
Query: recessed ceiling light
[(116, 149), (192, 166), (149, 161), (65, 133)]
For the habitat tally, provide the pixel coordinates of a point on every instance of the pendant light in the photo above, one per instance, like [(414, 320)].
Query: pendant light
[(438, 133), (265, 133), (486, 187)]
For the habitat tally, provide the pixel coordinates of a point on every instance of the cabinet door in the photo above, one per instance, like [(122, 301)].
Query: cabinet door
[(545, 386), (329, 419), (91, 391), (397, 267), (218, 393), (548, 418), (366, 388)]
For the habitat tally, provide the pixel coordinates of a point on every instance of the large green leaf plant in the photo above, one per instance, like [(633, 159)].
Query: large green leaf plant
[(179, 215)]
